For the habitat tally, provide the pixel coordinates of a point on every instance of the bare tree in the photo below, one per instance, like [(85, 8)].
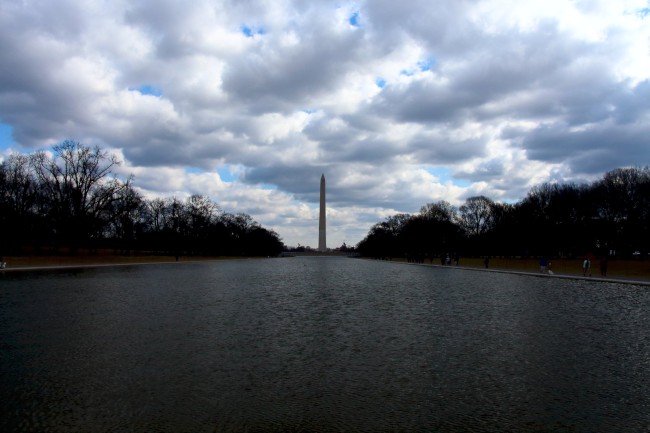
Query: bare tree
[(126, 214), (80, 184), (439, 211), (18, 201), (157, 214), (17, 186), (475, 216), (201, 213)]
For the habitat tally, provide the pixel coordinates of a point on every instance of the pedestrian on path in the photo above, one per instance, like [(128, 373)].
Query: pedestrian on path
[(586, 267), (543, 265)]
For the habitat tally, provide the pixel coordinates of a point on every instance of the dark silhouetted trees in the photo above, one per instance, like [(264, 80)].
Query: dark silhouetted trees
[(430, 233), (77, 185), (20, 202), (610, 216), (475, 216), (72, 199)]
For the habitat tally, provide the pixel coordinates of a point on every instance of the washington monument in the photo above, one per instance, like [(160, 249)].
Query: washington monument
[(322, 244)]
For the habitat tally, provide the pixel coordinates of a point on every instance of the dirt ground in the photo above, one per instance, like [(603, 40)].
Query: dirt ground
[(19, 262)]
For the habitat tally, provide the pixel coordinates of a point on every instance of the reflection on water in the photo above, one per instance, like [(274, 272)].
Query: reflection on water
[(320, 344)]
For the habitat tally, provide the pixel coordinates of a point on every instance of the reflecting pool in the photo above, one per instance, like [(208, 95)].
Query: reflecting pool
[(320, 344)]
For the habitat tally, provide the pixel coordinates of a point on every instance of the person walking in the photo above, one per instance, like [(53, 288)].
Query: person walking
[(586, 267), (543, 265)]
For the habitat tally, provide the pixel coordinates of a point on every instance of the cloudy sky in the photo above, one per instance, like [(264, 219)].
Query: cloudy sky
[(399, 103)]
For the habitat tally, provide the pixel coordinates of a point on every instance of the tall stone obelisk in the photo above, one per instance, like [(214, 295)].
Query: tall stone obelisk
[(322, 243)]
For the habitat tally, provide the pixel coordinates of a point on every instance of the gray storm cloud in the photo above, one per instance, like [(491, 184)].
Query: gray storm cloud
[(376, 94)]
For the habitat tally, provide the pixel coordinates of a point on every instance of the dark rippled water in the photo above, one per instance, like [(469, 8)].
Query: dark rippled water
[(320, 344)]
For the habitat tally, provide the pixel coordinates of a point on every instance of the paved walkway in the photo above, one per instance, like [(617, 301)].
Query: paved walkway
[(596, 278)]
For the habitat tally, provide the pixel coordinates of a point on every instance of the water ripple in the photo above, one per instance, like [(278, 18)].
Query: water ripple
[(320, 344)]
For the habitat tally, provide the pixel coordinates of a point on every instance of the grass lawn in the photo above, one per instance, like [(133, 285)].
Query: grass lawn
[(17, 262)]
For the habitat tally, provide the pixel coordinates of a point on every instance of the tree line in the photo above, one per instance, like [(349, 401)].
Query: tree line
[(71, 199), (607, 217)]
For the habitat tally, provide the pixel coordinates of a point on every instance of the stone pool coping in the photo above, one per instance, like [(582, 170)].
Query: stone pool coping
[(594, 278)]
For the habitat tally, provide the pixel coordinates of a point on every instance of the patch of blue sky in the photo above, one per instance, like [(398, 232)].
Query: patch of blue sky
[(250, 32), (193, 170), (427, 64), (310, 110), (422, 66), (354, 19), (380, 82), (639, 12), (226, 174), (148, 89), (268, 186), (6, 136), (445, 176)]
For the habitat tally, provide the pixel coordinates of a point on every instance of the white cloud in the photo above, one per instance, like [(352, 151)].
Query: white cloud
[(502, 95)]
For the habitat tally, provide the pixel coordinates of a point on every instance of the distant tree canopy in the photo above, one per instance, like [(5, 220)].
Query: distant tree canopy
[(72, 199), (608, 216)]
